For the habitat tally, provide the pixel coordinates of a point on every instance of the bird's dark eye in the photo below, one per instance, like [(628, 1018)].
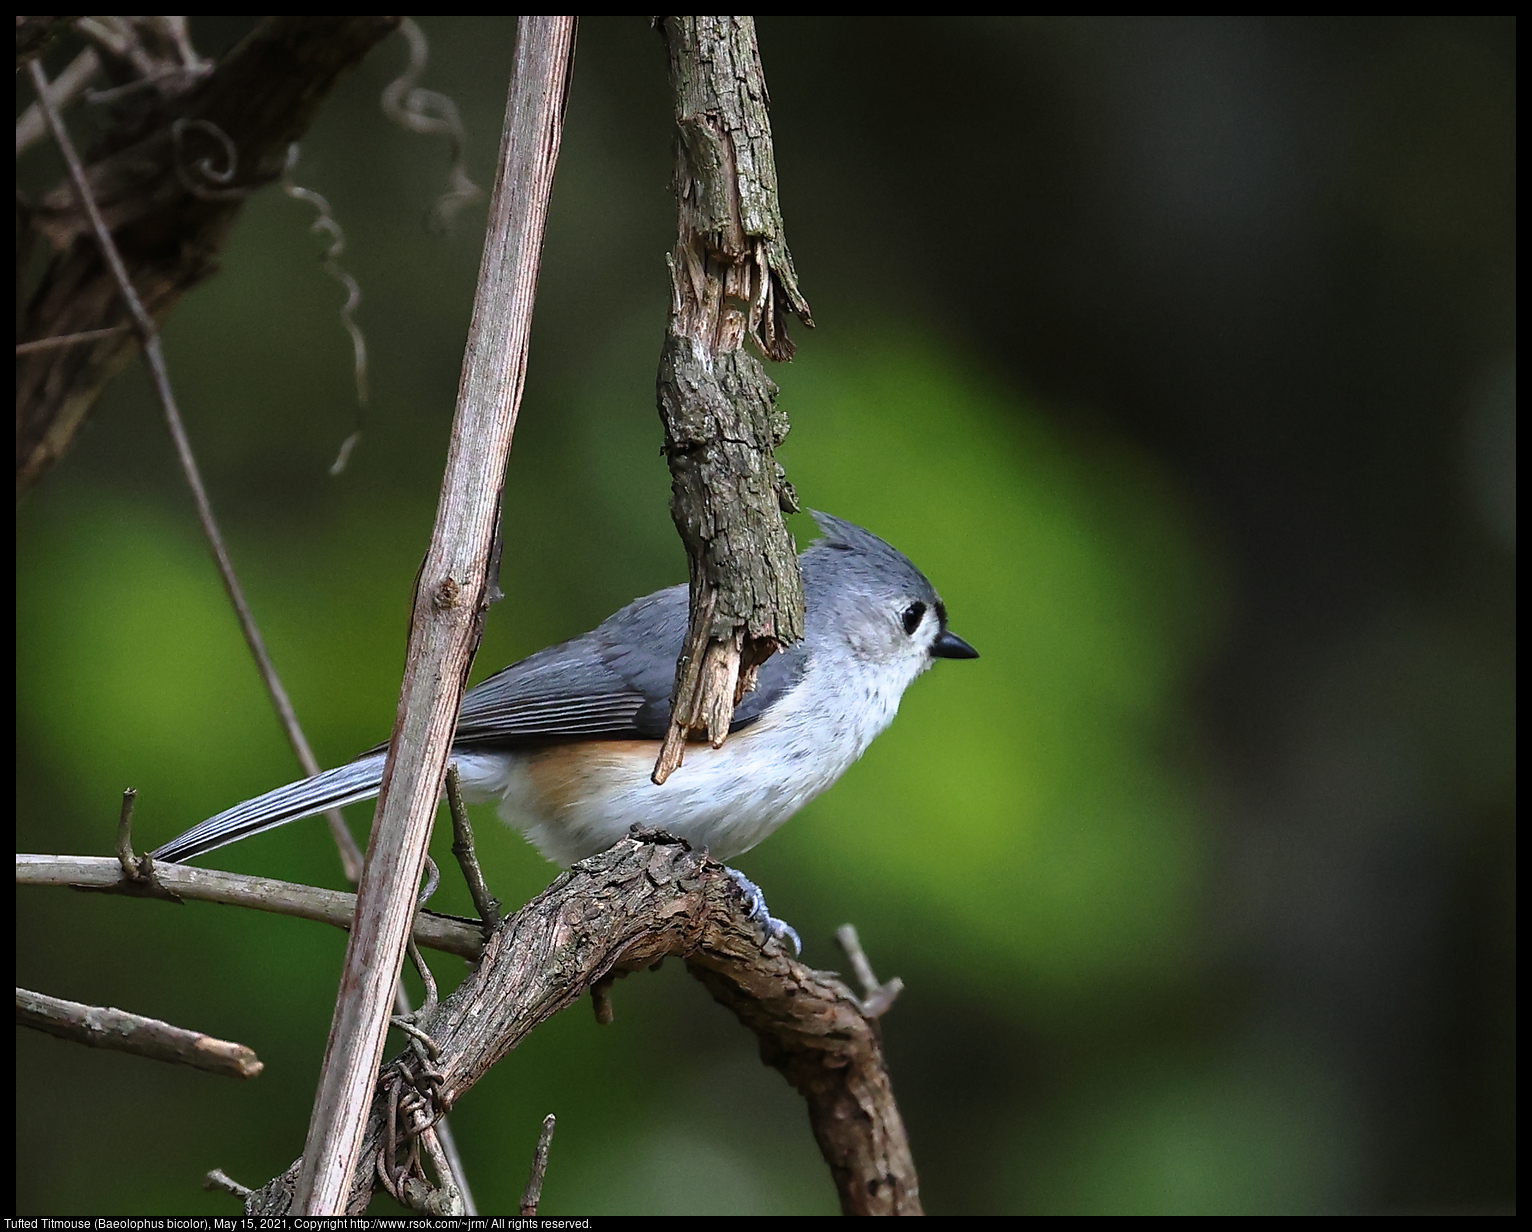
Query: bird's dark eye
[(912, 615)]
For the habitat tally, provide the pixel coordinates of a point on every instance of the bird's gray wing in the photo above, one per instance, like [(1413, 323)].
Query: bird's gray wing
[(593, 685), (612, 682)]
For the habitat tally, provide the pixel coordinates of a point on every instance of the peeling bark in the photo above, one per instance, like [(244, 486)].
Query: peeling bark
[(732, 279), (645, 899)]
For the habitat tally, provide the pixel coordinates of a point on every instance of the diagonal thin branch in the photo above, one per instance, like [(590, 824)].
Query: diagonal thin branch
[(32, 127), (154, 357), (69, 340), (99, 1026)]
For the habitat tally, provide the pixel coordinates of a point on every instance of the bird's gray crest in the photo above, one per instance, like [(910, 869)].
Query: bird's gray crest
[(879, 566)]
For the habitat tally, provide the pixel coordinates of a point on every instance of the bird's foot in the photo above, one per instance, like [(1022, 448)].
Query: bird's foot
[(755, 903)]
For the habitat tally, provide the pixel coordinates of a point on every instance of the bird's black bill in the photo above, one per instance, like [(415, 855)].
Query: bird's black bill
[(950, 646)]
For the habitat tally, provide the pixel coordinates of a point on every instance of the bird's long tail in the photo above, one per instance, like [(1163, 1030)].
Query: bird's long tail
[(356, 781)]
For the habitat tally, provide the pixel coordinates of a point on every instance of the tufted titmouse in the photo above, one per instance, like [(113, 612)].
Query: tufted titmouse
[(566, 739)]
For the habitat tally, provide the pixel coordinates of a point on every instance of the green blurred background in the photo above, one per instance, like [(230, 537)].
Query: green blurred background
[(1178, 353)]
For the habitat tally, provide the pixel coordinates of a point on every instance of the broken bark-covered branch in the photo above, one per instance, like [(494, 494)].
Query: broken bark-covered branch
[(732, 279), (646, 898), (533, 1193), (169, 197)]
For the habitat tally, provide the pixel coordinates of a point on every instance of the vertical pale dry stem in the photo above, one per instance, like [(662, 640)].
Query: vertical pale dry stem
[(449, 605)]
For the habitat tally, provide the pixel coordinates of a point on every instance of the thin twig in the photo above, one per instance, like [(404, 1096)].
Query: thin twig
[(67, 340), (77, 74), (428, 1007), (125, 856), (485, 903), (103, 1027), (454, 1162), (153, 355), (447, 933), (876, 997), (448, 1198), (219, 1180), (533, 1194)]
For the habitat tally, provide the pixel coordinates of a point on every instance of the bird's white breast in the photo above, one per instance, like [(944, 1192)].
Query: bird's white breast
[(575, 799)]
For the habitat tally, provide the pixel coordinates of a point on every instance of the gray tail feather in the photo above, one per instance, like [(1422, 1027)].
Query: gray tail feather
[(348, 784)]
